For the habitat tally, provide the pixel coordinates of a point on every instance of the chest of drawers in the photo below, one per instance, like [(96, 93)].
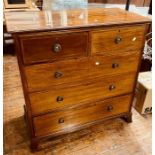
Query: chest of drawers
[(78, 68)]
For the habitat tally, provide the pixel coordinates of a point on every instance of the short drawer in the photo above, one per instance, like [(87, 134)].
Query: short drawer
[(115, 41), (43, 47), (99, 89), (72, 118), (43, 76)]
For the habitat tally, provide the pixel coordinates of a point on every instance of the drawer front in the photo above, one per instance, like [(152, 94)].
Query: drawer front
[(50, 47), (114, 41), (98, 89), (70, 118), (43, 76)]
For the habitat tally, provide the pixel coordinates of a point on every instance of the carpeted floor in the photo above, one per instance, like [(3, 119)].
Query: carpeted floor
[(113, 137)]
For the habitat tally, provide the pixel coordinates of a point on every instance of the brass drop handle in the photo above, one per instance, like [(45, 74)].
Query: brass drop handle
[(112, 87), (61, 120), (60, 99), (57, 48), (58, 74), (115, 65), (110, 108), (118, 39)]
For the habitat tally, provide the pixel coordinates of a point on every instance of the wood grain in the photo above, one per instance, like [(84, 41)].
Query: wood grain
[(105, 40), (98, 89), (50, 123), (40, 47), (59, 97), (57, 20), (110, 137), (42, 76), (147, 3)]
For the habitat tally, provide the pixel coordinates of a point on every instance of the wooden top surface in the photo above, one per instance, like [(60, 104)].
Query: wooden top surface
[(65, 19)]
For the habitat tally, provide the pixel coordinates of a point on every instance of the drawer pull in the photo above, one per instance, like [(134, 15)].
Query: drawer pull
[(112, 87), (118, 39), (61, 120), (58, 75), (115, 65), (57, 48), (110, 108), (60, 99)]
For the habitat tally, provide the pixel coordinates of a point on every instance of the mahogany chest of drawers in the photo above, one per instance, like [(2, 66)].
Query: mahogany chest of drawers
[(77, 67)]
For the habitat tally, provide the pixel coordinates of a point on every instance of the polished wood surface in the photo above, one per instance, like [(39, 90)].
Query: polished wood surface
[(64, 120), (66, 19), (49, 98), (110, 137), (98, 89), (80, 70), (42, 47), (131, 38)]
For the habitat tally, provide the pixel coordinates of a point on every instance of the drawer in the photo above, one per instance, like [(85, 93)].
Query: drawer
[(116, 40), (43, 76), (43, 47), (71, 118), (99, 89)]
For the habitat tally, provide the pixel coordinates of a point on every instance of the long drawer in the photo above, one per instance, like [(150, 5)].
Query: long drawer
[(43, 76), (98, 89), (71, 118), (48, 46), (118, 40)]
